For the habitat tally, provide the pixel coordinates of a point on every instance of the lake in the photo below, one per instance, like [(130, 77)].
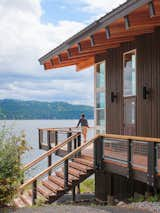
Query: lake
[(30, 127)]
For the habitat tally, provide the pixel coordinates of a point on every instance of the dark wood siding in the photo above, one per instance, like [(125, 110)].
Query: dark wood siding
[(148, 74)]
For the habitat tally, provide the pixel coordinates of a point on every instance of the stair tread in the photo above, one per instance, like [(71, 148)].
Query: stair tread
[(84, 162), (70, 177), (45, 191), (79, 166), (52, 186), (26, 199), (87, 157), (19, 202), (75, 172), (57, 180)]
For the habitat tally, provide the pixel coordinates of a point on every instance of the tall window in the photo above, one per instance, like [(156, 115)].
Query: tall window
[(100, 121), (129, 92)]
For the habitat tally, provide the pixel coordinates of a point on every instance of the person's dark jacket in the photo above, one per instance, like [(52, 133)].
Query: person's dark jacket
[(83, 122)]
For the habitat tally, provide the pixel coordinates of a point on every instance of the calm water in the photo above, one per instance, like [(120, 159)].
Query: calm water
[(30, 127)]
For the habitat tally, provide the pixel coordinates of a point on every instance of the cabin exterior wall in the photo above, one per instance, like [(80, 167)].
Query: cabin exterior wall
[(147, 110), (148, 74)]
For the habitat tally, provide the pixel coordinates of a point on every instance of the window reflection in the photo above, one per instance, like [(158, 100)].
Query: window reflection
[(100, 75), (129, 92), (100, 100), (130, 74), (100, 97)]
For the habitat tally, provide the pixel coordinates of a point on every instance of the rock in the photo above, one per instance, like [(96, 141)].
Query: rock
[(121, 203)]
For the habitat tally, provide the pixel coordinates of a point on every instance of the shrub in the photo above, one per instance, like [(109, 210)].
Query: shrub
[(11, 174), (88, 186)]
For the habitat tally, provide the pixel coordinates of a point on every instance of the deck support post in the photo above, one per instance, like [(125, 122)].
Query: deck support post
[(69, 145), (98, 153), (73, 193), (78, 189), (34, 192), (66, 174), (151, 179)]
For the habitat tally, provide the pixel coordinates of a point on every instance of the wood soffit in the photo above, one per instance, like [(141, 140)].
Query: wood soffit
[(121, 25)]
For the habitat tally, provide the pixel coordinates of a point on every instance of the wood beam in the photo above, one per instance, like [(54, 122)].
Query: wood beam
[(127, 22), (85, 64), (152, 11), (59, 59), (79, 47), (92, 40), (69, 54), (52, 61), (108, 33)]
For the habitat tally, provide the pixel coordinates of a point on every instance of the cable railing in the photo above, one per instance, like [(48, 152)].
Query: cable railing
[(136, 153)]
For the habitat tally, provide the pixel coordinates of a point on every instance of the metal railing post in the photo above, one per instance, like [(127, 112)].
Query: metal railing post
[(129, 158), (130, 171), (75, 146), (69, 145), (151, 179), (40, 137), (34, 192), (66, 174), (49, 147), (79, 144), (56, 141), (49, 139)]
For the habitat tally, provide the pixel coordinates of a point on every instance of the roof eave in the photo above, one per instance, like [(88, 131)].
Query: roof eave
[(106, 20)]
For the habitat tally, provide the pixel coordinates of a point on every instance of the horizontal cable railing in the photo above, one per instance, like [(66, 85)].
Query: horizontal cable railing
[(134, 153)]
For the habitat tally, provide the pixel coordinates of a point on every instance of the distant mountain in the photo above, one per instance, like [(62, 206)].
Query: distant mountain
[(16, 109)]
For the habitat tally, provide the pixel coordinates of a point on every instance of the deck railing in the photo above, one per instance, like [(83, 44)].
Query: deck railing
[(135, 153), (131, 152), (62, 162)]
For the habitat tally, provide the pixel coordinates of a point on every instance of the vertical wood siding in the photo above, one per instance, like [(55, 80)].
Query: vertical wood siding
[(148, 74)]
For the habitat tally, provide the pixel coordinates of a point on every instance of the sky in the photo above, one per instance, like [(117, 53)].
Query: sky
[(31, 28)]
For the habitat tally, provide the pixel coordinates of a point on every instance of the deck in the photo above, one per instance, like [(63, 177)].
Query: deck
[(105, 155)]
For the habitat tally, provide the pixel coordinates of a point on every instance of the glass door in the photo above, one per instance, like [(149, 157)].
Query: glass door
[(100, 100), (129, 92)]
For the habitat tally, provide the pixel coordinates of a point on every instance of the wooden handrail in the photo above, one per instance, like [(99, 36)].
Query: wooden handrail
[(68, 156), (65, 129), (51, 151), (58, 163), (128, 137)]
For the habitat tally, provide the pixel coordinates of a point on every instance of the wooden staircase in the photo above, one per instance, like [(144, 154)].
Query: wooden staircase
[(73, 170)]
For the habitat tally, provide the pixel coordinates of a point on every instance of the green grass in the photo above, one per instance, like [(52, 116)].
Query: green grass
[(88, 186)]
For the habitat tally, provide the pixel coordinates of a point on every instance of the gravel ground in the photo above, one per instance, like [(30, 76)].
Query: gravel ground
[(152, 207), (75, 209)]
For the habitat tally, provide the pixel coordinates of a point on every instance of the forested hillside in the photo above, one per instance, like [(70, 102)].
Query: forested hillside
[(16, 109)]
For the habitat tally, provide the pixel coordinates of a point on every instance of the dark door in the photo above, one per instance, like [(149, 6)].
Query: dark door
[(129, 93)]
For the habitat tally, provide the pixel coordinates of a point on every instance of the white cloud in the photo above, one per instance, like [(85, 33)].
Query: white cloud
[(51, 90), (24, 38), (101, 6)]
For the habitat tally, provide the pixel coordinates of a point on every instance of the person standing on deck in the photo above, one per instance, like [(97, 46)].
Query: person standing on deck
[(84, 126)]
